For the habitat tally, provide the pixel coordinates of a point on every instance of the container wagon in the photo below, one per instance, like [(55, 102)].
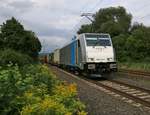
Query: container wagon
[(44, 58), (56, 57)]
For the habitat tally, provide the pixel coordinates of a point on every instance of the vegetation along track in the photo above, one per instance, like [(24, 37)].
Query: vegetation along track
[(134, 72), (131, 93)]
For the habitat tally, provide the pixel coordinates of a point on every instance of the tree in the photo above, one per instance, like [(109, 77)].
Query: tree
[(138, 44), (135, 26), (14, 36), (1, 41), (113, 20), (119, 43), (85, 29)]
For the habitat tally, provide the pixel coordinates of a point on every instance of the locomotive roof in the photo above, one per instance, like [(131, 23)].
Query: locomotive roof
[(84, 34)]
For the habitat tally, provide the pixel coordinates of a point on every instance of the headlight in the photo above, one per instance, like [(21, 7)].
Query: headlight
[(90, 59), (113, 66), (91, 66), (109, 59)]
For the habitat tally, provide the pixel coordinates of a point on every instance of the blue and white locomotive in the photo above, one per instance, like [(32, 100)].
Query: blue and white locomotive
[(90, 53)]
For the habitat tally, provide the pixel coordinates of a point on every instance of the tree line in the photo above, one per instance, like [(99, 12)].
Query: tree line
[(17, 44), (131, 40)]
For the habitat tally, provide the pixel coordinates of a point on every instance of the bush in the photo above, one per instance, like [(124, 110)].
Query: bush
[(62, 102), (14, 82), (142, 66), (10, 56), (34, 90)]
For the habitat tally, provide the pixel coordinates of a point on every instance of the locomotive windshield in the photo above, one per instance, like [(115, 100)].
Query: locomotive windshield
[(98, 40)]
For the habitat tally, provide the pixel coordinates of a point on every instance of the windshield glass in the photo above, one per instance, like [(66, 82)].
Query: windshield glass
[(98, 40), (96, 36)]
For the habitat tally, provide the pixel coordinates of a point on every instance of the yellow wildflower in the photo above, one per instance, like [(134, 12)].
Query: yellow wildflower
[(26, 110), (68, 113), (28, 94), (72, 88), (82, 113)]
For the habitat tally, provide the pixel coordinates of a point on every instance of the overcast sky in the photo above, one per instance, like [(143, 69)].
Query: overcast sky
[(56, 21)]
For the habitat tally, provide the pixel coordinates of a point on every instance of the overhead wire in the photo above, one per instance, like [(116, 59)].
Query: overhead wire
[(140, 9), (83, 8), (144, 6), (96, 5), (91, 9)]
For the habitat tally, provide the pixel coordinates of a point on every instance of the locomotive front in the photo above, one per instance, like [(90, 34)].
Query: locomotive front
[(99, 54)]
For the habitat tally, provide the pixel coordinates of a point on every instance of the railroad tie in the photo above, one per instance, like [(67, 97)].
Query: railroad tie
[(140, 94), (134, 92), (146, 96)]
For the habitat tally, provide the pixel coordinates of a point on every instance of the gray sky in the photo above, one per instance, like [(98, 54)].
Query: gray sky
[(56, 21)]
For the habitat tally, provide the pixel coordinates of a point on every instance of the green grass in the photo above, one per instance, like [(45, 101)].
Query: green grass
[(135, 66)]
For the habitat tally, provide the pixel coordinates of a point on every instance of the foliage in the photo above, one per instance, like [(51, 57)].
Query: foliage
[(62, 102), (33, 89), (110, 20), (135, 66), (14, 82), (1, 40), (14, 36), (120, 47), (86, 29), (8, 56), (131, 42), (139, 42), (133, 47)]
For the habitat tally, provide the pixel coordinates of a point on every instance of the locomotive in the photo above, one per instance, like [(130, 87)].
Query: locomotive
[(89, 53)]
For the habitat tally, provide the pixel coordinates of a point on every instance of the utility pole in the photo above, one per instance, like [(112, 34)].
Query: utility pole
[(43, 46), (89, 16)]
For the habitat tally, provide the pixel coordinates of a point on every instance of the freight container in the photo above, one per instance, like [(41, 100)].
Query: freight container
[(56, 57)]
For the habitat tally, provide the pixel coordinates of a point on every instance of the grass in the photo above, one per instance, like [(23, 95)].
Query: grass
[(135, 66)]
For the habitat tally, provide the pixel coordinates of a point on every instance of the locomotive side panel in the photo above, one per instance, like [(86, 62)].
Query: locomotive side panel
[(69, 55)]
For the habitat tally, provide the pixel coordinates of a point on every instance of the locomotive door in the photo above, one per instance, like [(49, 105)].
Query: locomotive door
[(78, 53)]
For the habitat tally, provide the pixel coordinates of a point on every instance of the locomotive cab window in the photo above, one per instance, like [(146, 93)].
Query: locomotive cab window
[(98, 40)]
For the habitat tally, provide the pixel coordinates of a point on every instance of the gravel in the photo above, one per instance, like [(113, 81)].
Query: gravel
[(133, 80), (97, 102)]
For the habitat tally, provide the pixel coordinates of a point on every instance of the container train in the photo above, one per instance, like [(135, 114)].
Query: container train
[(89, 53)]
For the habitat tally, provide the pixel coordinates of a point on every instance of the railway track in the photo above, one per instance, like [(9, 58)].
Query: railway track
[(137, 73), (136, 94), (129, 93)]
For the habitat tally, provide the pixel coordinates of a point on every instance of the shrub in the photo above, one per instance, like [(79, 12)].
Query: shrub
[(34, 90), (142, 66), (10, 56), (62, 102), (14, 82)]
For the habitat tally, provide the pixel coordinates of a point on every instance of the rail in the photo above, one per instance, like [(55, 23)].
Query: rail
[(135, 72)]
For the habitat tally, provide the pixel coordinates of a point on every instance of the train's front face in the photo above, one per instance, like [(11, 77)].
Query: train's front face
[(100, 54)]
